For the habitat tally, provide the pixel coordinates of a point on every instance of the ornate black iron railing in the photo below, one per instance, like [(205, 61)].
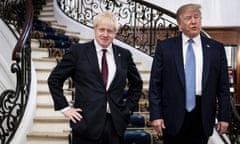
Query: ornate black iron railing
[(141, 23), (17, 14)]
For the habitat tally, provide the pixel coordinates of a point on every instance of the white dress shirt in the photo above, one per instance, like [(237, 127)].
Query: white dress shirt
[(197, 48), (110, 62)]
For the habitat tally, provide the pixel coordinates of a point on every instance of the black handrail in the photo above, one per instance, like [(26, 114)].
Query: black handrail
[(16, 55)]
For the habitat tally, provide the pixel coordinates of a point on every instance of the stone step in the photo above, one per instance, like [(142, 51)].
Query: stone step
[(145, 74), (37, 137), (43, 74), (44, 63), (43, 86), (57, 25), (45, 93), (45, 104), (35, 43), (39, 52), (45, 13), (47, 8), (50, 124), (44, 97), (49, 3), (47, 111), (145, 85), (50, 19)]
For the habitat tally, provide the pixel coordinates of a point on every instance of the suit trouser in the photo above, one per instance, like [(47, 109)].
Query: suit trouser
[(109, 135), (191, 131)]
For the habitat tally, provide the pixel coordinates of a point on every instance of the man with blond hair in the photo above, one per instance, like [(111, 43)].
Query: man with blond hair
[(100, 71)]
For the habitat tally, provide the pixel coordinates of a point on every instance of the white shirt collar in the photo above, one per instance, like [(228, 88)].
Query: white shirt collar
[(99, 48), (196, 39)]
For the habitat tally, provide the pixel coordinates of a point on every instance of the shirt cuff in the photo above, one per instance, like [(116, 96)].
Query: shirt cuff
[(65, 109)]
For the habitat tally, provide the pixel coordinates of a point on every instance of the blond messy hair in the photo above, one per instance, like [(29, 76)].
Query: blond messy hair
[(108, 17)]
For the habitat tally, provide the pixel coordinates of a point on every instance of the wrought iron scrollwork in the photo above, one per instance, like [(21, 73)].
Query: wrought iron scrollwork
[(12, 107), (13, 102), (12, 13), (6, 102), (141, 24)]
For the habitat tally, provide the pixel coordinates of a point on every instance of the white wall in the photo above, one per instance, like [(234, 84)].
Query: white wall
[(214, 12), (7, 43)]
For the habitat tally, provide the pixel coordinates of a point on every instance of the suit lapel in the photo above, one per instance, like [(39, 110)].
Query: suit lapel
[(93, 59), (179, 59), (206, 56), (117, 58)]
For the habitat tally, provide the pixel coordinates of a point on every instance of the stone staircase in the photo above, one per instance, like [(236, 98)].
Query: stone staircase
[(48, 126), (52, 127)]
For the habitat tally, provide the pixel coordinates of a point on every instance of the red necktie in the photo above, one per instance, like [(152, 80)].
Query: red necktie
[(104, 68)]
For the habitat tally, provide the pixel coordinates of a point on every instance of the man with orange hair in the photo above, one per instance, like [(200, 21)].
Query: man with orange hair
[(189, 81)]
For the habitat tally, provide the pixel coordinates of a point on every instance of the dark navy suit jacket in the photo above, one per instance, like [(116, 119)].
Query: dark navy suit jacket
[(81, 64), (167, 84)]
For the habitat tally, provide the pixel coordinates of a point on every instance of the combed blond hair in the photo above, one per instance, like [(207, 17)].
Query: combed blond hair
[(108, 17), (183, 8)]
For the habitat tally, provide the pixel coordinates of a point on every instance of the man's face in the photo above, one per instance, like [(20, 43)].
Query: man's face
[(190, 23), (104, 34)]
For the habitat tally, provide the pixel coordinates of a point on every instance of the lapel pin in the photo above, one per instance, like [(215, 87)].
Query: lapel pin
[(119, 54), (208, 45)]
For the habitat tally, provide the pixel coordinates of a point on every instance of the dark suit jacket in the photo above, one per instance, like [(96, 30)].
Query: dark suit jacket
[(81, 64), (167, 84)]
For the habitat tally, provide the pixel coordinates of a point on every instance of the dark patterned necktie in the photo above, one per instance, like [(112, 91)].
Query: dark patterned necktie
[(104, 68)]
